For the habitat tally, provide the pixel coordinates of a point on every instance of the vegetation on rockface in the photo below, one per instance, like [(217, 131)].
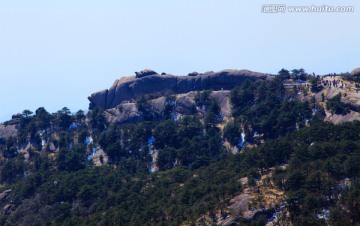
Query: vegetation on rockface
[(335, 106), (296, 74), (267, 109), (353, 77), (197, 175)]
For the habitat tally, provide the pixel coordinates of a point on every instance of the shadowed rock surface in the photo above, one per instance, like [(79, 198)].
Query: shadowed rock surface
[(150, 82)]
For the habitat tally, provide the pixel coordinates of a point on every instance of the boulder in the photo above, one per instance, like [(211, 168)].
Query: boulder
[(124, 113), (99, 98), (193, 74), (223, 99), (144, 73), (158, 105), (185, 103), (16, 116)]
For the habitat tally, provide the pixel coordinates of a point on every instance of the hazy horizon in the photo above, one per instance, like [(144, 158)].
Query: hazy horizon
[(55, 54)]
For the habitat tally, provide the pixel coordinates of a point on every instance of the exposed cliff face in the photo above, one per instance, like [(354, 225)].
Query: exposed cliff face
[(148, 82), (184, 104)]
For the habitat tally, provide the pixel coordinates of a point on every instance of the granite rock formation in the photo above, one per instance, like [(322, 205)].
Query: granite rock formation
[(149, 82), (184, 104)]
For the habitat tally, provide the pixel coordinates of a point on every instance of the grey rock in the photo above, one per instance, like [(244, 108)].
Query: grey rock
[(160, 84), (185, 103), (148, 82), (124, 113), (193, 74), (158, 105), (100, 98), (144, 73), (5, 194), (100, 158), (7, 209), (223, 99), (8, 131)]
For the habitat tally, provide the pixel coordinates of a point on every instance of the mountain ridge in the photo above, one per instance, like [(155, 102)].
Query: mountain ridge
[(128, 88), (277, 150)]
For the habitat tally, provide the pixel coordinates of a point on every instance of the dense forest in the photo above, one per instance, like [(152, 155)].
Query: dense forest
[(315, 163)]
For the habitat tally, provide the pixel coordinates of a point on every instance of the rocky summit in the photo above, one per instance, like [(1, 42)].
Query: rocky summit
[(150, 82)]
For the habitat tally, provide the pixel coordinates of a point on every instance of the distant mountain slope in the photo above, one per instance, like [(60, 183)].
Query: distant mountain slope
[(237, 148)]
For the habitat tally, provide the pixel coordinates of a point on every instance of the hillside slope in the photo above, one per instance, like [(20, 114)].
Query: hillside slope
[(269, 150)]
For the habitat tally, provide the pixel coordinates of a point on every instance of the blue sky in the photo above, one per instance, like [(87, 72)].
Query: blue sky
[(56, 53)]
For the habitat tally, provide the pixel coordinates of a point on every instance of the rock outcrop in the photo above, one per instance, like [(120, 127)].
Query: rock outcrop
[(150, 82), (100, 158), (4, 194), (184, 104), (339, 119), (124, 113), (356, 71), (7, 131)]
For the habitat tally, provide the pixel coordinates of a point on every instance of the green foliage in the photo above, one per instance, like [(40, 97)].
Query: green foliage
[(335, 106), (352, 77), (143, 106), (315, 163), (242, 97), (166, 158), (315, 87), (165, 135), (64, 118), (97, 119), (71, 159), (283, 74), (267, 110), (43, 118), (232, 133), (203, 181), (203, 98), (11, 171), (299, 74), (185, 142), (110, 142), (10, 150), (27, 113)]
